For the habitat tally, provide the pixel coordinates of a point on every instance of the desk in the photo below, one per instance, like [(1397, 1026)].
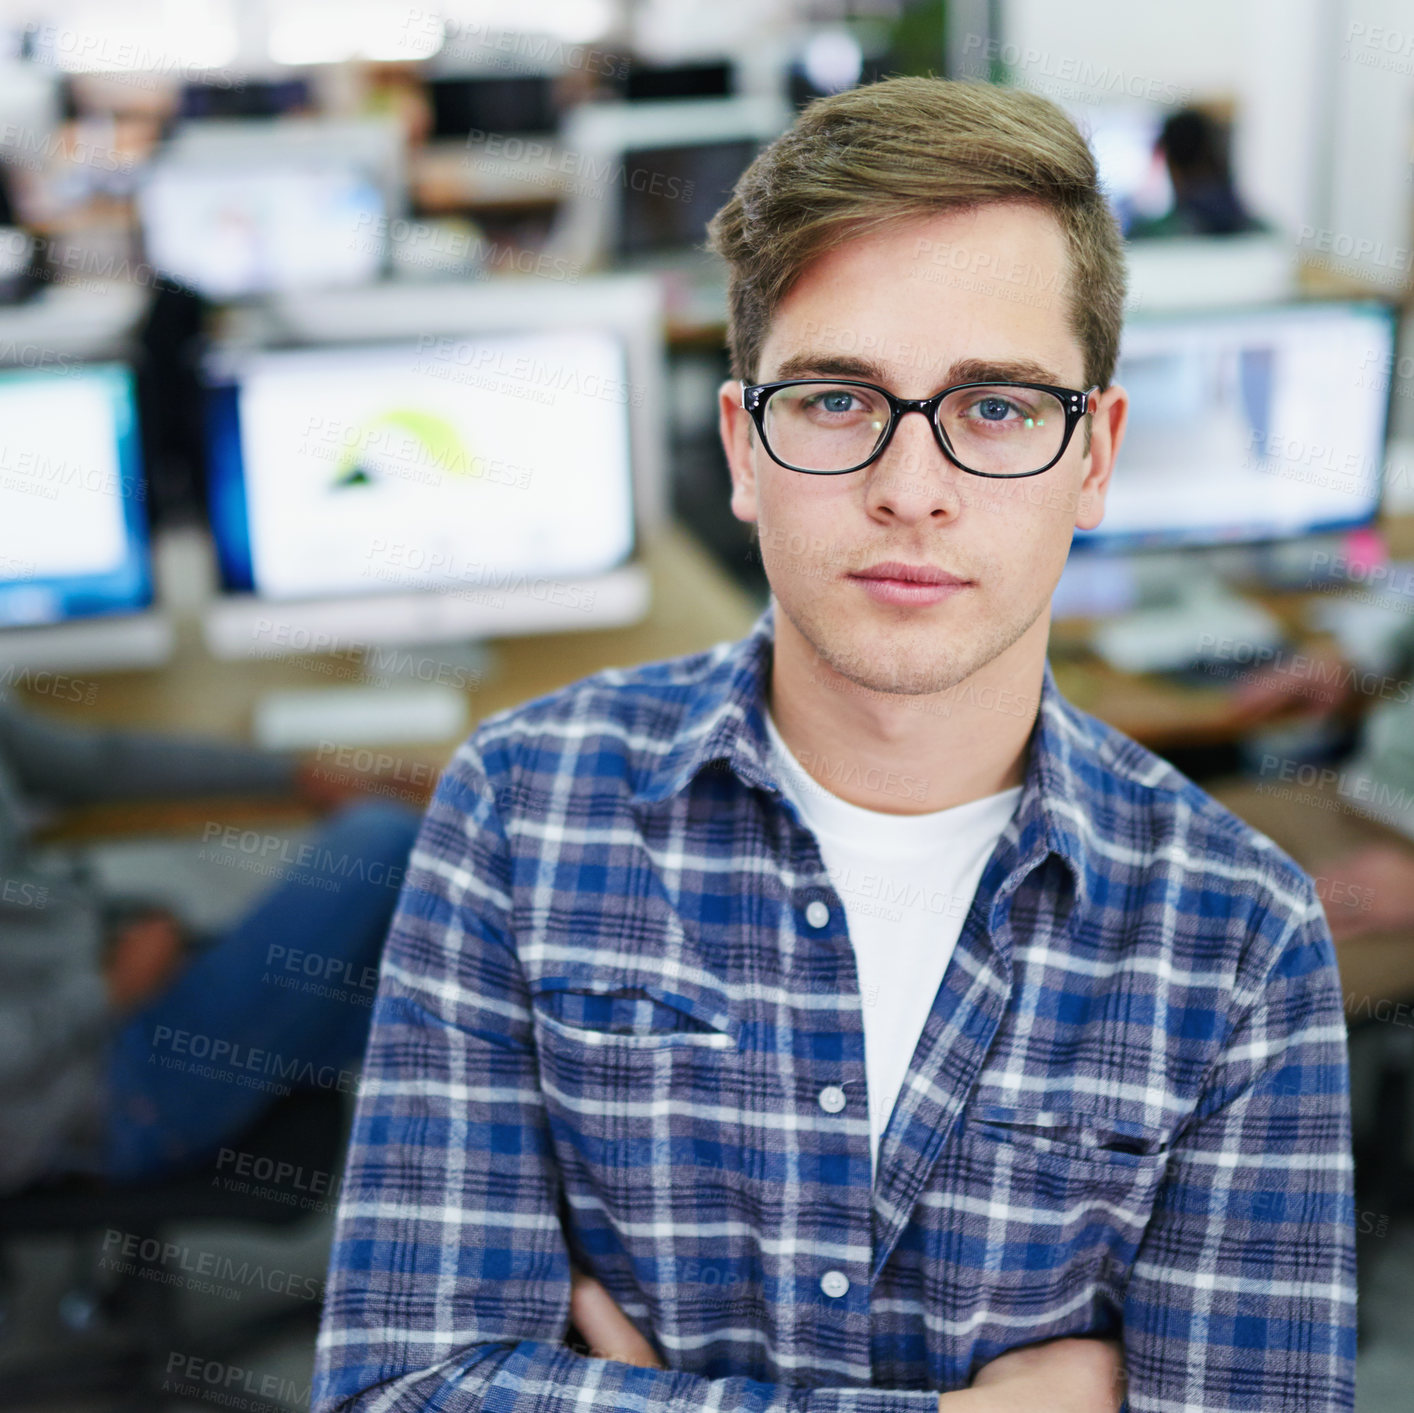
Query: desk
[(1163, 715), (1159, 713), (695, 605)]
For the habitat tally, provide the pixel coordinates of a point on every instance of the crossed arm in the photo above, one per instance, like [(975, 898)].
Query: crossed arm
[(1062, 1375)]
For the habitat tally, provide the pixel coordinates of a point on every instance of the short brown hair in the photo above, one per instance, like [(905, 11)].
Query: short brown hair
[(908, 147)]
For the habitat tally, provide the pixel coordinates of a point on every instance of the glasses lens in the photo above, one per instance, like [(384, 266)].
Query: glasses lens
[(1003, 431), (824, 426)]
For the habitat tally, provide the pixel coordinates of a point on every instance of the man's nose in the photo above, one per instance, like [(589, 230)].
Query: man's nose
[(914, 446), (913, 478)]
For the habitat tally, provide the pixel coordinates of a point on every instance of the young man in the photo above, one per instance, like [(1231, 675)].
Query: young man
[(839, 1019)]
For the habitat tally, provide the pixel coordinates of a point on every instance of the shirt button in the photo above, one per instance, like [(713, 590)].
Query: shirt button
[(834, 1283), (832, 1099), (817, 914)]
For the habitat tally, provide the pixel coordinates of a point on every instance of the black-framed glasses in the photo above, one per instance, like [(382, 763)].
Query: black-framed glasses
[(831, 426)]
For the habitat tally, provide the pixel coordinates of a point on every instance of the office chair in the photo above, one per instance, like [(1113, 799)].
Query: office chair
[(1384, 1169), (305, 1129)]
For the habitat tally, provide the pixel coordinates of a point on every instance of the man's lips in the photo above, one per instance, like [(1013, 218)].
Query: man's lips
[(895, 571), (908, 585)]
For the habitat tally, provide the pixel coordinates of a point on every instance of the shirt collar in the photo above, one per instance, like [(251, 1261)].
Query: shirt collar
[(723, 726)]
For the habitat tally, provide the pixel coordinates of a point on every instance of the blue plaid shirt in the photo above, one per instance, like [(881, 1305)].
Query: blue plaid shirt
[(618, 1024)]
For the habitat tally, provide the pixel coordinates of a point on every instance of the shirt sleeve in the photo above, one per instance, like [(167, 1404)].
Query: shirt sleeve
[(1242, 1294), (449, 1277)]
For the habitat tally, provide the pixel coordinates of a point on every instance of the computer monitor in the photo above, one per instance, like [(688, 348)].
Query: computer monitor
[(831, 62), (373, 144), (241, 209), (1249, 425), (500, 103), (75, 573), (658, 216), (1175, 272), (232, 234), (649, 176), (1122, 135), (456, 463), (341, 470), (252, 98), (645, 82)]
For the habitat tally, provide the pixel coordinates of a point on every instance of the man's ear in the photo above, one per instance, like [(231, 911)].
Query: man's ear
[(739, 443), (1107, 424)]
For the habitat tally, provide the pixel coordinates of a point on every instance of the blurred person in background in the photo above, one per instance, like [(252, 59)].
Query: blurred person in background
[(90, 985), (1194, 146)]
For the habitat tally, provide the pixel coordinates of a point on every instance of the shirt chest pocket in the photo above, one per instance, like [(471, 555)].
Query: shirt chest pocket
[(1062, 1198), (1066, 1140), (643, 1009), (625, 975), (643, 1078)]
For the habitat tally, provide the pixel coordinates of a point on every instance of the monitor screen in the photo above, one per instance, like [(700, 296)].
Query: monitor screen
[(1132, 172), (670, 193), (73, 530), (651, 83), (251, 98), (835, 64), (509, 103), (1249, 424), (235, 229), (425, 464)]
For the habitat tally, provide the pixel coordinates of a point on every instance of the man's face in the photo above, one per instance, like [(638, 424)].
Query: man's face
[(904, 309)]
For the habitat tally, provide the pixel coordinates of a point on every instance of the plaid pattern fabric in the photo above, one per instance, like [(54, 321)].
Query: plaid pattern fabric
[(618, 1024)]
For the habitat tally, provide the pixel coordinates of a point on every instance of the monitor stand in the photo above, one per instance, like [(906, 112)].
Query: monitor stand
[(410, 693), (1183, 615), (423, 654)]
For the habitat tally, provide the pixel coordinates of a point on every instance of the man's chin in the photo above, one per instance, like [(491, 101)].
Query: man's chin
[(870, 662)]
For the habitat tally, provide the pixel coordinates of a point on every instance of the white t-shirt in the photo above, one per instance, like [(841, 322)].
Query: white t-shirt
[(906, 882)]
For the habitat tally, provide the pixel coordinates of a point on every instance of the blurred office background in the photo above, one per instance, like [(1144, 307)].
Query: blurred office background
[(357, 379)]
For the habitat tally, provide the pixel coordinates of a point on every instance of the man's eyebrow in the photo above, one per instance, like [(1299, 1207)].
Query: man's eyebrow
[(803, 365), (965, 370)]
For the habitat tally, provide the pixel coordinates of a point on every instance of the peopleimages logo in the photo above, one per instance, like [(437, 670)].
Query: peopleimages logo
[(1348, 785), (231, 1385), (841, 772), (595, 173), (128, 1251), (37, 149), (244, 1064), (526, 368), (1304, 667), (1079, 70)]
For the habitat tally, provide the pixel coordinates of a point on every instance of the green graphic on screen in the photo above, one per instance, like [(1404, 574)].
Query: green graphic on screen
[(404, 444)]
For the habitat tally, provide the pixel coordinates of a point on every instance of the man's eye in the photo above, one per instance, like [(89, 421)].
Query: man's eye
[(1013, 414), (830, 401)]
